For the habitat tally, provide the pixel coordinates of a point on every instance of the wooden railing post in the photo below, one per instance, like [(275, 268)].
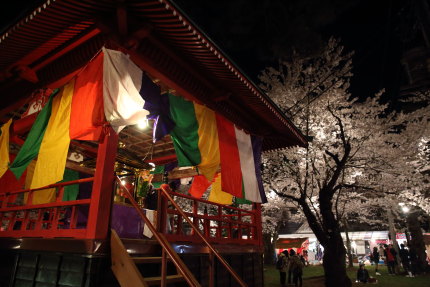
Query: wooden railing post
[(162, 215), (102, 193), (211, 269), (195, 213), (219, 229), (206, 225)]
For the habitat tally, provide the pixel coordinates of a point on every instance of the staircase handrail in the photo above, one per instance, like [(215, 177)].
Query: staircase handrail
[(165, 189), (182, 268)]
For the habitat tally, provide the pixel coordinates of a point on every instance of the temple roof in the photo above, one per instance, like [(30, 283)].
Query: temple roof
[(60, 36)]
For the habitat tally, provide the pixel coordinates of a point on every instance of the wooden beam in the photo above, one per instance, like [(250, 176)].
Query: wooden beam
[(121, 17)]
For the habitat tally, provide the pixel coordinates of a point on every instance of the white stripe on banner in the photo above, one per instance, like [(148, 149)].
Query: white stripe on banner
[(122, 81), (247, 166)]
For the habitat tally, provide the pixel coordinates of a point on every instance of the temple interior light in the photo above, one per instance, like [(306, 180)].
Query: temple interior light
[(142, 124)]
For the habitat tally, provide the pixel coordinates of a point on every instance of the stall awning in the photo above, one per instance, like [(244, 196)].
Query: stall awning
[(285, 243)]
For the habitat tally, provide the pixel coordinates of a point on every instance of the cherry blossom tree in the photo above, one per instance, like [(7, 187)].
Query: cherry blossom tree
[(350, 142)]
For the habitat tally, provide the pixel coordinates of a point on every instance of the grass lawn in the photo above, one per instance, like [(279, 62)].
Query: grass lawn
[(312, 276)]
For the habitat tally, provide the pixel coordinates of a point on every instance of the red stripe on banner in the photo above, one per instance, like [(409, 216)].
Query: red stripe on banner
[(231, 180)]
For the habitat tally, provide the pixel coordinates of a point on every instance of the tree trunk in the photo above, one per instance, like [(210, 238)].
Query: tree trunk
[(348, 243), (269, 248), (334, 263), (393, 238), (417, 240), (334, 251)]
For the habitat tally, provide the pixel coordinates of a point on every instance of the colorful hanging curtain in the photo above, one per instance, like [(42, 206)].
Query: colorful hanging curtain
[(39, 196), (195, 136), (199, 185), (31, 146), (52, 157), (123, 104), (87, 115), (240, 162), (9, 183), (158, 107), (230, 158), (217, 195), (70, 191), (4, 147), (206, 140), (108, 87)]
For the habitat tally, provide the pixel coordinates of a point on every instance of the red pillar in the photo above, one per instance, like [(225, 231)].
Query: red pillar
[(102, 193)]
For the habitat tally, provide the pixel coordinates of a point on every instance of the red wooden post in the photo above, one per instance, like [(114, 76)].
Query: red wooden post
[(239, 225), (60, 193), (211, 269), (179, 224), (101, 196), (206, 226), (73, 217), (162, 213), (219, 229), (195, 215)]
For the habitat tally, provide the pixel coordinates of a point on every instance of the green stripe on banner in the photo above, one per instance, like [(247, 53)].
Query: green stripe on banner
[(70, 191), (242, 200), (31, 146), (185, 133)]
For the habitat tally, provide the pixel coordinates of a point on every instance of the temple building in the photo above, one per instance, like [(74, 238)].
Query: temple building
[(130, 150)]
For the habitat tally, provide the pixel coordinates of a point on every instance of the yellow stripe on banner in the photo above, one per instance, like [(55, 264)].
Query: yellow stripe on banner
[(217, 195), (208, 141), (29, 178), (52, 157), (4, 147)]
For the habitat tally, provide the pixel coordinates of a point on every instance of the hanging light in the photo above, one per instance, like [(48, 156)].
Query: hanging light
[(405, 209), (152, 165), (142, 124)]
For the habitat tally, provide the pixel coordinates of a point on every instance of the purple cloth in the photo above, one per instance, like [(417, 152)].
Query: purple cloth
[(126, 222), (256, 149), (158, 107)]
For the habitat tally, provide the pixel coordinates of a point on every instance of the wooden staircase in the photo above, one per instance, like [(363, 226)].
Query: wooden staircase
[(127, 273), (125, 268)]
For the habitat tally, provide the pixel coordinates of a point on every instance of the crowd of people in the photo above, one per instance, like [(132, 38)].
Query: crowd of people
[(292, 264), (388, 253)]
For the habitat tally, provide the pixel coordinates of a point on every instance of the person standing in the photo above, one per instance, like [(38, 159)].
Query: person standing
[(282, 266), (404, 257), (381, 253), (375, 258), (296, 268), (390, 259), (414, 260)]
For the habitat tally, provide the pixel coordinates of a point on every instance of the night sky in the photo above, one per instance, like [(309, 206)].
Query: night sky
[(256, 33)]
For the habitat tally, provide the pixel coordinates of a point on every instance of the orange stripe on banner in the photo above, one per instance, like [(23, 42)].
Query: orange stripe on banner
[(199, 186), (87, 114)]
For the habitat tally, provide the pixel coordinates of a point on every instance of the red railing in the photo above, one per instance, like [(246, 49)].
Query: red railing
[(217, 222), (55, 219)]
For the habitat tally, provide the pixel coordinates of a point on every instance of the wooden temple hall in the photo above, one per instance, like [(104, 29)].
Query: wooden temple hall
[(130, 150)]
